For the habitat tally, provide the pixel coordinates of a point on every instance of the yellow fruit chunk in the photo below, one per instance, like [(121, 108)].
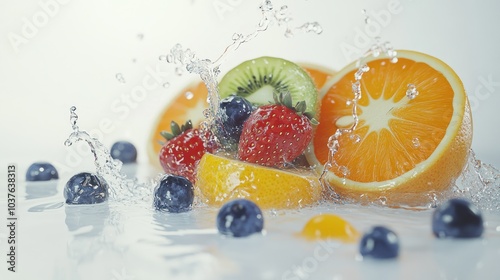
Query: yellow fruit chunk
[(329, 226), (220, 179), (404, 146)]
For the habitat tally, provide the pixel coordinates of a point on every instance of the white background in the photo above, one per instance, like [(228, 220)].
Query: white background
[(57, 54)]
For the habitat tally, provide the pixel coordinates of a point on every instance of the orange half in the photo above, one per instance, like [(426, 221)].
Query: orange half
[(402, 149)]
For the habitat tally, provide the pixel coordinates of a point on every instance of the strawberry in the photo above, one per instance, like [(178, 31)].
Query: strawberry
[(275, 134), (183, 150)]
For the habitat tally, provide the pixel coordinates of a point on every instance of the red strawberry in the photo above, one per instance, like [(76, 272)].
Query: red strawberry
[(275, 134), (183, 150)]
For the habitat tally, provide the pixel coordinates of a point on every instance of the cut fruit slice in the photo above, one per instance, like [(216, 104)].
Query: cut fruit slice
[(258, 79), (329, 226), (188, 105), (219, 179), (403, 147)]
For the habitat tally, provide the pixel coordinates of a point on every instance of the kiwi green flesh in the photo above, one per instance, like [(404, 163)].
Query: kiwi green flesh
[(257, 80)]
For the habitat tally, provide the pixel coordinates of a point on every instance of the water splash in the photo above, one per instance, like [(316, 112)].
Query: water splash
[(121, 187), (377, 48), (209, 70), (480, 183)]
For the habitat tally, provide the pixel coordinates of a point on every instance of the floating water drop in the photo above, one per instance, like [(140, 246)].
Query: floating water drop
[(359, 74), (356, 138), (344, 170), (119, 77), (189, 95), (140, 36), (121, 188), (415, 142), (166, 85), (311, 27), (382, 200), (411, 91), (163, 57), (179, 71)]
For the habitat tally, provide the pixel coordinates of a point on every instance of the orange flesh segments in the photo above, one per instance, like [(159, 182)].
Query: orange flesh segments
[(400, 144)]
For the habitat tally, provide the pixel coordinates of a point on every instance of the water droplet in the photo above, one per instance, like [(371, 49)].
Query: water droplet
[(415, 142), (140, 36), (179, 71), (498, 228), (355, 137), (170, 58), (120, 78), (344, 170), (365, 14), (134, 60), (163, 57), (73, 118), (359, 74), (314, 27), (382, 200), (166, 84), (411, 91), (189, 95)]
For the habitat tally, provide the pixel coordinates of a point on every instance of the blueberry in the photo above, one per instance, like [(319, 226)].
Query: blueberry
[(379, 243), (124, 151), (457, 218), (174, 194), (240, 218), (86, 188), (41, 171), (236, 111)]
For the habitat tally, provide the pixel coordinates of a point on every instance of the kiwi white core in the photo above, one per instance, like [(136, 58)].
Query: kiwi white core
[(262, 96)]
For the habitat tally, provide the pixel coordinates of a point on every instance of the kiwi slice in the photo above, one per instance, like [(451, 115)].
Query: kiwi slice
[(257, 80)]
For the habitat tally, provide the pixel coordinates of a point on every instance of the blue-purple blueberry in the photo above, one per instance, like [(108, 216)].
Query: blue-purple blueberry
[(174, 194), (379, 243), (457, 218), (240, 218), (86, 188), (41, 171), (124, 151)]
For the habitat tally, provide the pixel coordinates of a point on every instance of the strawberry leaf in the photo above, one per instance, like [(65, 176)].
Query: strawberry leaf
[(176, 130)]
